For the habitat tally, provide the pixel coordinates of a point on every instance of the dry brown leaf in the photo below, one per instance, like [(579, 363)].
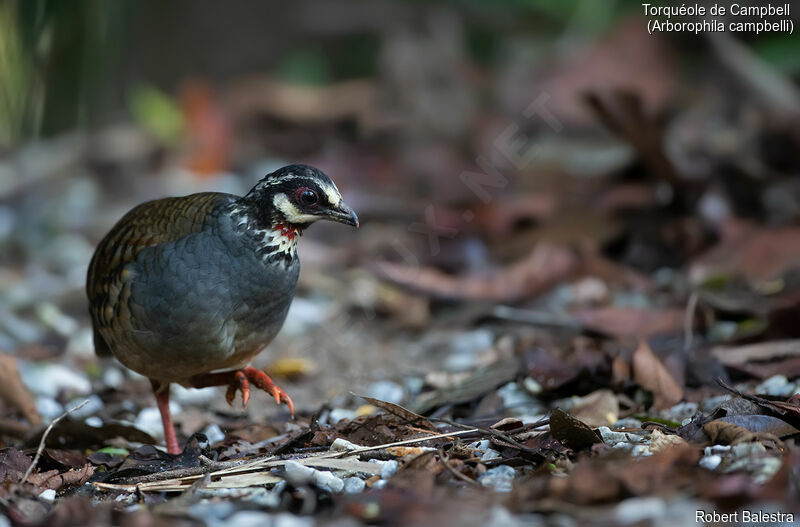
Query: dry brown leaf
[(571, 432), (728, 433), (650, 373), (660, 441), (14, 392), (760, 351), (52, 479), (632, 321), (399, 411), (545, 266), (757, 253), (599, 408)]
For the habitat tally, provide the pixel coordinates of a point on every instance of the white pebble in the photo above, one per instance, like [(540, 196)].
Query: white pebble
[(354, 485), (611, 437), (48, 407), (113, 378), (337, 414), (48, 495), (327, 481), (285, 519), (149, 420), (388, 391), (94, 421), (341, 445), (49, 379), (298, 474), (214, 433), (249, 519), (710, 462), (636, 510), (94, 405), (490, 454), (389, 469), (498, 478), (777, 386)]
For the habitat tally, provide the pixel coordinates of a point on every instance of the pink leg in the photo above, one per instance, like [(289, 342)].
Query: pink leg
[(162, 400)]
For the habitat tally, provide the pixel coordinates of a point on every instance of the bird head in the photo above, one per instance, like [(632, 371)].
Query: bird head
[(297, 196)]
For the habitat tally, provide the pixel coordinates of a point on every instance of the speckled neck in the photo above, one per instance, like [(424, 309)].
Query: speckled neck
[(275, 243)]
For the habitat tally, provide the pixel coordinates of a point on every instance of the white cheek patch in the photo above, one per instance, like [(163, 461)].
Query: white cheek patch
[(290, 212)]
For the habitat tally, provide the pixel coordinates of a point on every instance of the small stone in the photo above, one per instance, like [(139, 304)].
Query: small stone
[(354, 485), (249, 519), (343, 445), (266, 499), (285, 519), (716, 449), (466, 348), (192, 396), (94, 421), (532, 385), (710, 462), (149, 420), (389, 469), (94, 405), (379, 484), (777, 386), (48, 408), (611, 437), (712, 403), (680, 411), (327, 481), (49, 379), (388, 391), (413, 385), (214, 433), (211, 511), (636, 510), (498, 478), (628, 422), (517, 400), (48, 495), (741, 450), (337, 414), (113, 378), (490, 455), (81, 344), (298, 474)]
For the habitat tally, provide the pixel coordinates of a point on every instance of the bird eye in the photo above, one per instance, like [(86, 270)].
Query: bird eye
[(307, 197)]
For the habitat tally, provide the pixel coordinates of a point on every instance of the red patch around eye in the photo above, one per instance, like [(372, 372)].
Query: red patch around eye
[(298, 193)]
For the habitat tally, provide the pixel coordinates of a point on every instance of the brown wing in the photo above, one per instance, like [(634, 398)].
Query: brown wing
[(151, 223)]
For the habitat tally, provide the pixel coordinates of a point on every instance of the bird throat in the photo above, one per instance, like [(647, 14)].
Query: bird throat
[(278, 242)]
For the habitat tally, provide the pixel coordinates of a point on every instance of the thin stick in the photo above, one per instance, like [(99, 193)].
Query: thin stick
[(688, 321), (39, 450)]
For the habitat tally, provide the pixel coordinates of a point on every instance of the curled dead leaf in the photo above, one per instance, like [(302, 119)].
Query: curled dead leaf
[(651, 374), (660, 441)]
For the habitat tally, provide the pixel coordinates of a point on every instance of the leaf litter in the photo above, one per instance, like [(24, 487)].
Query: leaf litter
[(555, 360)]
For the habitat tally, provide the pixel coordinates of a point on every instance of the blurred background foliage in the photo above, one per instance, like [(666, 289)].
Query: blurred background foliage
[(68, 64)]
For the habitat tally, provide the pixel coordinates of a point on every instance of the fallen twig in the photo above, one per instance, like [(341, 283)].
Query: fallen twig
[(39, 450)]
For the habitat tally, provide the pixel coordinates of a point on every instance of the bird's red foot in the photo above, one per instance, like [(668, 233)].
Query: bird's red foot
[(240, 380)]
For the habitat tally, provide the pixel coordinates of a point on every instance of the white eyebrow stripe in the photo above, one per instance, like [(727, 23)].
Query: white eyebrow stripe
[(332, 193)]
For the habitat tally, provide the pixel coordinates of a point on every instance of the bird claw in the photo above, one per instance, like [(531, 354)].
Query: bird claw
[(241, 382)]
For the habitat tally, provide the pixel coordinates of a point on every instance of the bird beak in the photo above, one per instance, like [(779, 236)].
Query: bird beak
[(343, 214)]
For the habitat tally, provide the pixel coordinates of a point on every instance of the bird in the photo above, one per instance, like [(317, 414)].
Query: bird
[(190, 289)]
